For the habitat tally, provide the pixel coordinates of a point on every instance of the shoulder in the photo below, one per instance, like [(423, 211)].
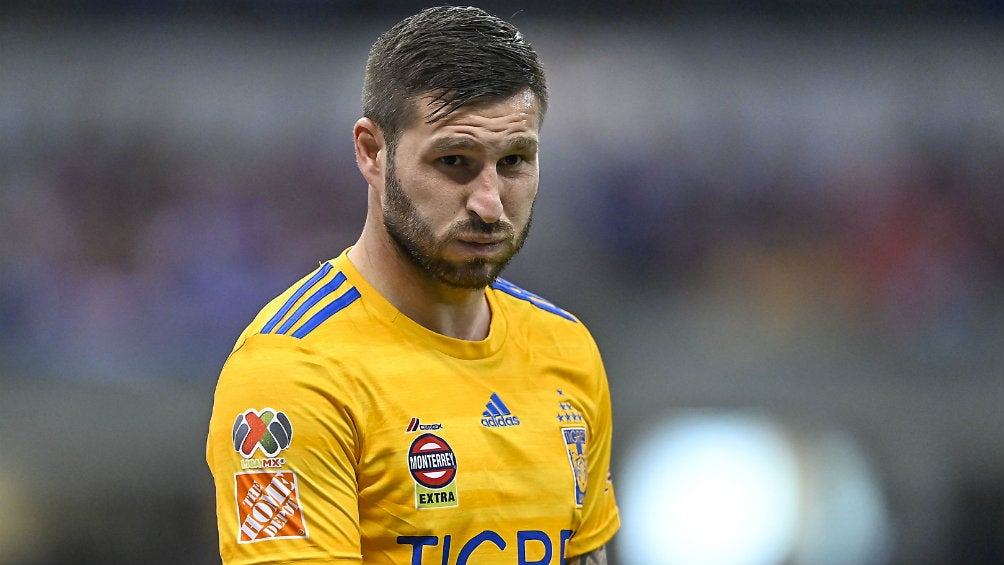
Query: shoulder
[(315, 299), (312, 301), (542, 323), (522, 298)]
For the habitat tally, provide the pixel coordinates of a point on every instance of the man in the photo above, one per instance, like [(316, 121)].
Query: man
[(402, 404)]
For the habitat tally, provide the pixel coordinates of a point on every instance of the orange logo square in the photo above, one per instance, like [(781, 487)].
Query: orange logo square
[(268, 506)]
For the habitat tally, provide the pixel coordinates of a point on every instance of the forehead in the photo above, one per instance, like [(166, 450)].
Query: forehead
[(518, 113)]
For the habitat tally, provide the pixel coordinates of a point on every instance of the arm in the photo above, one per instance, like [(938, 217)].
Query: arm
[(597, 557), (600, 517), (302, 505)]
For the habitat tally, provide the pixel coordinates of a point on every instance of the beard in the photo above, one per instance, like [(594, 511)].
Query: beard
[(417, 241)]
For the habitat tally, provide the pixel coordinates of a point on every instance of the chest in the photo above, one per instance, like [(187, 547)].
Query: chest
[(450, 437)]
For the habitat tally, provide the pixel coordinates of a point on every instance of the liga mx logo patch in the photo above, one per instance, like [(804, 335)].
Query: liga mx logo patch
[(433, 466), (575, 443), (268, 430)]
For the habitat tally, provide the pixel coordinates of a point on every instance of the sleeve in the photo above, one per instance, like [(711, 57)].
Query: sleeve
[(600, 518), (283, 451)]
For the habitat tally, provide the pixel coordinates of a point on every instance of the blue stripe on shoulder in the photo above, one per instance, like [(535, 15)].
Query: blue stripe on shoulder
[(324, 270), (328, 311), (513, 290), (325, 290)]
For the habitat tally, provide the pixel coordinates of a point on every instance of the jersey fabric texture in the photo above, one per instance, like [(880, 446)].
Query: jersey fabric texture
[(344, 432)]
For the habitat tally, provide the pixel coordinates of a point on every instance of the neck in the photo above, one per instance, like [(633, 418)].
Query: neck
[(454, 312)]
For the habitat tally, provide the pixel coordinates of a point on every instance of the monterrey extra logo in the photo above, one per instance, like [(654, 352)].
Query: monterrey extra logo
[(431, 461), (267, 429)]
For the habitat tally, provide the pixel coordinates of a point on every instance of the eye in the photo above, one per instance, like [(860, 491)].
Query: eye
[(452, 160), (511, 160)]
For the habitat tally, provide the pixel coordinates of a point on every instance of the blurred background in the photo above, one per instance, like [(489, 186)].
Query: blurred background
[(782, 220)]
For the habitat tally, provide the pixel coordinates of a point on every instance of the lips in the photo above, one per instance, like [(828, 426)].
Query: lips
[(482, 248), (482, 239)]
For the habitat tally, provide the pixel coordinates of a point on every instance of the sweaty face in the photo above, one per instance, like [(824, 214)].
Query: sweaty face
[(458, 193), (415, 237)]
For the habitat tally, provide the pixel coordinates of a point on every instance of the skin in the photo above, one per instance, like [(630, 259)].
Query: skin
[(446, 215), (597, 557)]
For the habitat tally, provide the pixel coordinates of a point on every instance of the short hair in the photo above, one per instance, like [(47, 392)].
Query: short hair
[(455, 54)]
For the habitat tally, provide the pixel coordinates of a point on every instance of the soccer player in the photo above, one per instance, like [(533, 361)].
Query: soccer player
[(402, 404)]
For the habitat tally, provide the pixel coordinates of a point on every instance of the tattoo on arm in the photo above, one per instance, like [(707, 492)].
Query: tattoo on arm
[(598, 557)]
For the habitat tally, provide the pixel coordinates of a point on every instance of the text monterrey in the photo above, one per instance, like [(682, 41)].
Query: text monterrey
[(529, 544)]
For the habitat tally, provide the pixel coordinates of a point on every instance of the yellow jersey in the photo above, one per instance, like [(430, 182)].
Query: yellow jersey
[(343, 431)]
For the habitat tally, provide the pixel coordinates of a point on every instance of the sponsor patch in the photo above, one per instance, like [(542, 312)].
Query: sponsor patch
[(433, 466), (416, 425), (575, 443), (268, 507)]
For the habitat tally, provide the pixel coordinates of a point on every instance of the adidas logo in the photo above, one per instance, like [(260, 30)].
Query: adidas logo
[(497, 414)]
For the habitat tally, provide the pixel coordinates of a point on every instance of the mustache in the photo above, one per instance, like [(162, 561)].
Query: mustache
[(480, 227)]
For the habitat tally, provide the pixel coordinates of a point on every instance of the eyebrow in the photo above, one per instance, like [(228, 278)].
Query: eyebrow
[(446, 144), (524, 143)]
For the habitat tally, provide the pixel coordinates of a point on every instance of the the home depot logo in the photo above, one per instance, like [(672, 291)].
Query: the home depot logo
[(268, 507)]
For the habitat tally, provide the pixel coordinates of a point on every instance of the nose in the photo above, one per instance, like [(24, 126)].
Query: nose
[(485, 200)]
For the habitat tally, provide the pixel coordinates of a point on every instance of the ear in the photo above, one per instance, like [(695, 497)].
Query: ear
[(371, 151)]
